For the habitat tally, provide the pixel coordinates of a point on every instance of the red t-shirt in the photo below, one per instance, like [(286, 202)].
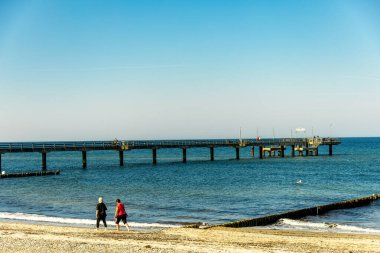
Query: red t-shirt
[(120, 209)]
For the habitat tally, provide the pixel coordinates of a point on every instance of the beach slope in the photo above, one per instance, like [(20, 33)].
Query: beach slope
[(17, 237)]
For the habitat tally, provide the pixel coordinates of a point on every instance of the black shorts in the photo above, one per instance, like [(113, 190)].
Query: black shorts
[(121, 217)]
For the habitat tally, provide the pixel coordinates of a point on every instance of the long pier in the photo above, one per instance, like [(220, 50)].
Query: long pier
[(266, 147)]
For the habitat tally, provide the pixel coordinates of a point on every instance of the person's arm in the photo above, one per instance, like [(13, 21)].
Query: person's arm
[(116, 211), (97, 213)]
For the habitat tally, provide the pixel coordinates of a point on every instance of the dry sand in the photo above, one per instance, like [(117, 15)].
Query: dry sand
[(16, 237)]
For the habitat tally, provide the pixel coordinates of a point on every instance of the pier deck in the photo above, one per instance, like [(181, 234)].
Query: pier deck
[(300, 145), (129, 145)]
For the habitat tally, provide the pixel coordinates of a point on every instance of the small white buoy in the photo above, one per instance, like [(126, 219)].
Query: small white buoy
[(3, 173), (299, 181)]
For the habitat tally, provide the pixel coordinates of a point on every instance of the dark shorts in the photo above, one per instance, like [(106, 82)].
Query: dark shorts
[(121, 217)]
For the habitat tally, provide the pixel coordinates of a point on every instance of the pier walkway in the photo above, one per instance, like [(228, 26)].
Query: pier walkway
[(299, 146)]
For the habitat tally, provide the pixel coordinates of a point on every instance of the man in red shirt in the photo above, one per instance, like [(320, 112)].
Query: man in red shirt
[(120, 214)]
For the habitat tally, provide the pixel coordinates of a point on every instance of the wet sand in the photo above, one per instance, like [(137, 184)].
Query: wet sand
[(17, 237)]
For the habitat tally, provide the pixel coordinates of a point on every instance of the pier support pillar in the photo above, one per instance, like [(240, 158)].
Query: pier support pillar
[(261, 152), (212, 153), (84, 159), (154, 152), (282, 151), (253, 151), (293, 153), (183, 155), (237, 153), (330, 150), (121, 157), (307, 149), (44, 167), (316, 151)]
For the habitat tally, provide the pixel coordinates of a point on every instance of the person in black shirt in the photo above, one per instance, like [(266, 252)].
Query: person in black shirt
[(101, 213)]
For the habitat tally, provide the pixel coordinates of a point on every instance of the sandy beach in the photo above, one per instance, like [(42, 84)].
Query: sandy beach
[(17, 237)]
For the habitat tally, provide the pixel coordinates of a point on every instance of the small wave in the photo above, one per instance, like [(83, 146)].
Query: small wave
[(73, 221), (325, 226)]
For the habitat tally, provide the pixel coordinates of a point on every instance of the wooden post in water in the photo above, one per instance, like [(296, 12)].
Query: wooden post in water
[(316, 151), (121, 157), (293, 151), (212, 153), (183, 155), (261, 152), (154, 152), (44, 167), (282, 151), (84, 159), (237, 153), (253, 151), (330, 150), (307, 149)]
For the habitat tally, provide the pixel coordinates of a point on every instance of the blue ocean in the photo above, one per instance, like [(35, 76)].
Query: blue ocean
[(172, 193)]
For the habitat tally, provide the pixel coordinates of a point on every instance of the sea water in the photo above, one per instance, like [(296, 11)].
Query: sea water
[(172, 193)]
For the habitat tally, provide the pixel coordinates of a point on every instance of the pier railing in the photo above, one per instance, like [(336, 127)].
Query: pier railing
[(266, 146), (126, 145), (58, 146)]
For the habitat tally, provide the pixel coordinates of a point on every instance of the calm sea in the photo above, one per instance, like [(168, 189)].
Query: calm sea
[(172, 193)]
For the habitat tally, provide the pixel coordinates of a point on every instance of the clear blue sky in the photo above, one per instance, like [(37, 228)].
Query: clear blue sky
[(74, 70)]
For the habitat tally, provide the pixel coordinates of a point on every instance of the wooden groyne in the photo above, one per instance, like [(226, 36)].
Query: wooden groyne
[(30, 174), (270, 219)]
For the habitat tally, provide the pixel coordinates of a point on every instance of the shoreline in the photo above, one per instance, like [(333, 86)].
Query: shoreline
[(23, 237), (282, 225)]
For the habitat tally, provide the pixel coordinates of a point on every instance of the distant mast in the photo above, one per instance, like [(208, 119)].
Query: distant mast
[(240, 137)]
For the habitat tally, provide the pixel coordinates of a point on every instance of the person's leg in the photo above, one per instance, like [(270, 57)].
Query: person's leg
[(125, 221), (104, 222), (97, 223), (117, 223), (126, 225)]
